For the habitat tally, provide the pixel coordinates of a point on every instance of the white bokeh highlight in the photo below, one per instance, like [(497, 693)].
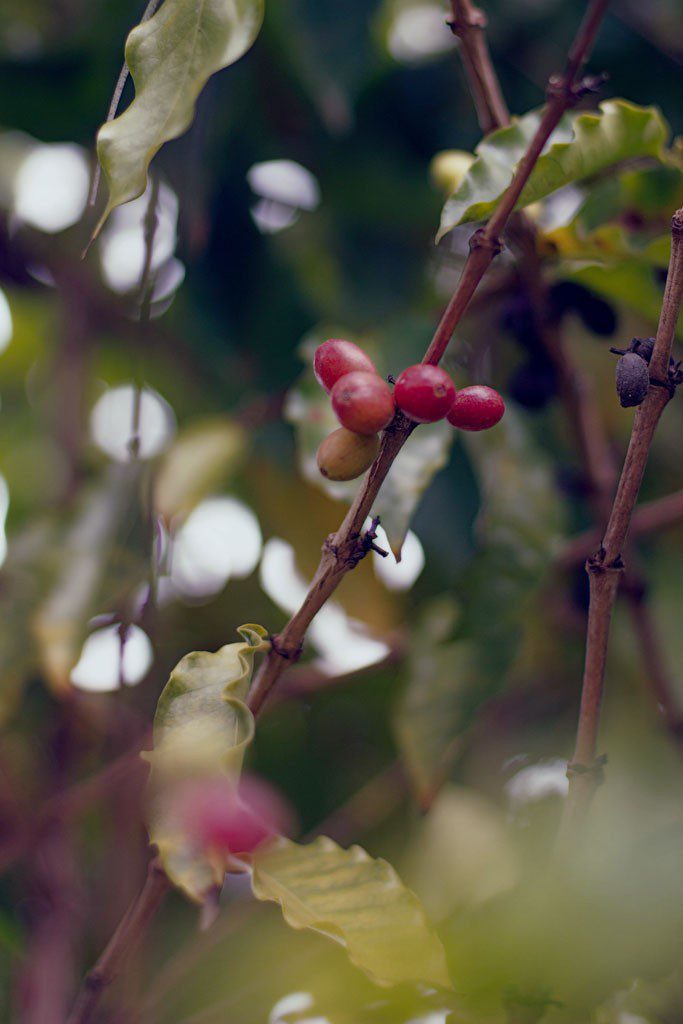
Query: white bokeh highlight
[(111, 423), (285, 189), (6, 324), (4, 509), (221, 539), (419, 33), (285, 181), (51, 187), (344, 644), (103, 664), (122, 244), (295, 1002), (537, 781), (399, 575)]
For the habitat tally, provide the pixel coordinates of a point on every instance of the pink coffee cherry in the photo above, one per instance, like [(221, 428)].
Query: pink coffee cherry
[(476, 408), (363, 402), (335, 358), (221, 817), (424, 393)]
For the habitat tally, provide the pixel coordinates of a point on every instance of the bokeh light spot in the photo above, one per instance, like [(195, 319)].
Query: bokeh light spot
[(51, 187), (111, 423), (104, 664)]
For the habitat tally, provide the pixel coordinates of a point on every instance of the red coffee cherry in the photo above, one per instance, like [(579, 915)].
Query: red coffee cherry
[(345, 455), (335, 358), (219, 816), (476, 408), (363, 402), (424, 393)]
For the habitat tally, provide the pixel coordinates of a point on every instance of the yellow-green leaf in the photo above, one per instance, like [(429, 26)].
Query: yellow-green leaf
[(359, 902), (170, 56), (197, 463), (582, 145), (202, 727)]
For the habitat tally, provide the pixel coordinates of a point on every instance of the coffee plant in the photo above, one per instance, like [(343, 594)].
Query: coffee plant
[(437, 776)]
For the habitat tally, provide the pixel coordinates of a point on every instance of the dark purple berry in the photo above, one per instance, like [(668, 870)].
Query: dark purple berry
[(633, 379), (534, 384)]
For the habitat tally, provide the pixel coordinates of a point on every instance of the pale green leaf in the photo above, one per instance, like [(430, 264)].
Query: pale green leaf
[(202, 727), (462, 853), (356, 900), (582, 145), (171, 56), (197, 463)]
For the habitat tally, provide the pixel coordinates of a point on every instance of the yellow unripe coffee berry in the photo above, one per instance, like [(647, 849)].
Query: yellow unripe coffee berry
[(345, 455), (448, 169)]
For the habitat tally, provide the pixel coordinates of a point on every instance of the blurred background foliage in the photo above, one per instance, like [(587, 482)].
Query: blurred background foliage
[(434, 710)]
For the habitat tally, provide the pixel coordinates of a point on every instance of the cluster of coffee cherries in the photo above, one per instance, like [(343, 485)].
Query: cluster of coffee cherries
[(365, 404)]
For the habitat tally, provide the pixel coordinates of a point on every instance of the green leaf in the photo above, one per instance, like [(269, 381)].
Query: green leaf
[(582, 145), (627, 216), (171, 57), (453, 667), (633, 284), (357, 901), (202, 727), (197, 463)]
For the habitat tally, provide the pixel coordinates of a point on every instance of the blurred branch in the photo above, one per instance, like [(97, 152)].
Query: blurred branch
[(69, 803), (468, 23), (650, 517), (55, 899), (124, 941), (606, 568), (149, 229), (343, 550)]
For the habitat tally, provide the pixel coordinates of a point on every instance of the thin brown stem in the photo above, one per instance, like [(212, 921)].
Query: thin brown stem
[(605, 568), (645, 626), (468, 23), (150, 10), (576, 388), (343, 551), (123, 942)]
